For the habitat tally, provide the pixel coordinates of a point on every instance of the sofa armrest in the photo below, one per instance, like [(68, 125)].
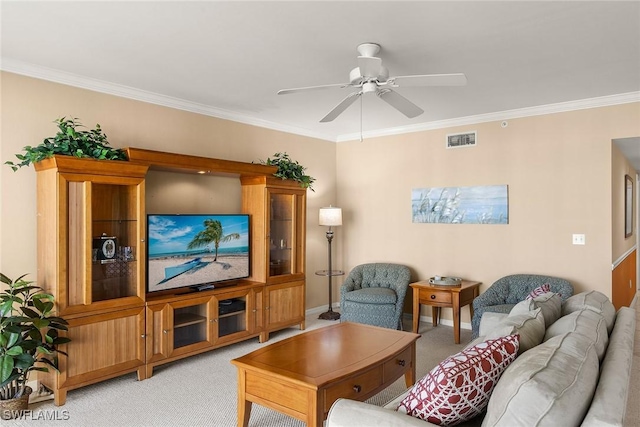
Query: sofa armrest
[(610, 400), (350, 413)]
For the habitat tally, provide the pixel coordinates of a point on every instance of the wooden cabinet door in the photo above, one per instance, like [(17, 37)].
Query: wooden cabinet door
[(102, 346), (157, 334), (284, 305)]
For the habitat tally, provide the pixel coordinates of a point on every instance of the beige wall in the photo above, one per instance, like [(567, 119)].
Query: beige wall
[(557, 167), (620, 167), (29, 107)]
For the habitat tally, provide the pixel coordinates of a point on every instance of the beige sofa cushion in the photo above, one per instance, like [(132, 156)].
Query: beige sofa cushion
[(549, 385), (529, 325), (550, 303), (490, 321), (591, 300), (588, 323)]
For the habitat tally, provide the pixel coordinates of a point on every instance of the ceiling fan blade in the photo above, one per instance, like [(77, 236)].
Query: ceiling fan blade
[(456, 79), (400, 103), (305, 89), (369, 66), (343, 105)]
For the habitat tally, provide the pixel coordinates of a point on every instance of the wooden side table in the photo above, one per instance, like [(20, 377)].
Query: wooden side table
[(444, 296)]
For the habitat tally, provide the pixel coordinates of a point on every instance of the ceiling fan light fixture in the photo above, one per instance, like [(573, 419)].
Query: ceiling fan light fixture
[(369, 87), (368, 49)]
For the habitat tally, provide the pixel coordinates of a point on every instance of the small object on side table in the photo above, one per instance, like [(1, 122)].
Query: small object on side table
[(330, 315), (438, 296)]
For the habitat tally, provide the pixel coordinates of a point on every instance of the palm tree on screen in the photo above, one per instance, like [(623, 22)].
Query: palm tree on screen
[(212, 234)]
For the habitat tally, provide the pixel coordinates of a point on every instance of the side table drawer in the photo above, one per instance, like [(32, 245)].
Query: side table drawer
[(429, 296), (397, 366), (354, 387)]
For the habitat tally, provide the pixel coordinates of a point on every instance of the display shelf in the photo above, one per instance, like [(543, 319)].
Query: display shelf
[(186, 319)]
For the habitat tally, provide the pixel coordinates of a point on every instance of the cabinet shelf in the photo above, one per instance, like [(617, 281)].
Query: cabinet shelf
[(233, 313), (186, 319)]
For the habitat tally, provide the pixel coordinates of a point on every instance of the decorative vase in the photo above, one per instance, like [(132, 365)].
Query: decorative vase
[(13, 408)]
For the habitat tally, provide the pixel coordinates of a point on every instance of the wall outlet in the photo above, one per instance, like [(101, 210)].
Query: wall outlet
[(578, 239)]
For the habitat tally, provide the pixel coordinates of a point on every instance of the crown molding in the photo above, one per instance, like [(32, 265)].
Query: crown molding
[(582, 104), (70, 79)]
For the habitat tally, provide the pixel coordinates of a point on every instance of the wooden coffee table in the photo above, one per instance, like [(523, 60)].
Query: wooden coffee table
[(302, 376)]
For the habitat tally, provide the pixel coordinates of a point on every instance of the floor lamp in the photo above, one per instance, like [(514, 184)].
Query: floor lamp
[(330, 217)]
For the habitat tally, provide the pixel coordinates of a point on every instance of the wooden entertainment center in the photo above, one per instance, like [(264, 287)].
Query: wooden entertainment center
[(114, 325)]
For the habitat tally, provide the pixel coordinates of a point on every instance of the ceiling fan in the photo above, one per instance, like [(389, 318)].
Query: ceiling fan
[(371, 76)]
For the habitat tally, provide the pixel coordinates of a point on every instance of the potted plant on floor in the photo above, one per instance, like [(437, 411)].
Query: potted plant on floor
[(29, 340), (70, 141)]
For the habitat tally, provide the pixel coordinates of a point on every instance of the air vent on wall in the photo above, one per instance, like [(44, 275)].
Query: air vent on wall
[(458, 140)]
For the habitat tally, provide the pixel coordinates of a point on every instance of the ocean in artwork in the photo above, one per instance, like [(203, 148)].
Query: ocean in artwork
[(487, 204)]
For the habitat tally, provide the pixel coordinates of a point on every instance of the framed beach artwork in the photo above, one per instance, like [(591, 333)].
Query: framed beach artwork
[(628, 206), (487, 204)]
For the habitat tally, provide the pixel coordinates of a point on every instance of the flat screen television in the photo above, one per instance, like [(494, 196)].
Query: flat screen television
[(196, 251)]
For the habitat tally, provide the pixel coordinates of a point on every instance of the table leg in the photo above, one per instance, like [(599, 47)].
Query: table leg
[(410, 377), (435, 314), (416, 310), (456, 317), (244, 412), (244, 406)]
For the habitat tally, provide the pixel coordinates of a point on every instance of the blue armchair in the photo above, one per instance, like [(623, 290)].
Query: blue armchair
[(507, 291), (374, 294)]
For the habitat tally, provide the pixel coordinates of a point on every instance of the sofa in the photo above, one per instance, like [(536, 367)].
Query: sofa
[(507, 291), (572, 370)]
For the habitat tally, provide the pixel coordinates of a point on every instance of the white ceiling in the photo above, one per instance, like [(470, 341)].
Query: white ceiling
[(228, 59)]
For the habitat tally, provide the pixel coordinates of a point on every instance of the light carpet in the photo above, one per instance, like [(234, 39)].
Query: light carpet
[(201, 390)]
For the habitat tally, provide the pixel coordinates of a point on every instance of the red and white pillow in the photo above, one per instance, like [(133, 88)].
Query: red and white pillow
[(540, 290), (459, 388)]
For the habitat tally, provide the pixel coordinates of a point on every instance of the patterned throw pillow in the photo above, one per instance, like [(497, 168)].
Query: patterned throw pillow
[(539, 291), (459, 388)]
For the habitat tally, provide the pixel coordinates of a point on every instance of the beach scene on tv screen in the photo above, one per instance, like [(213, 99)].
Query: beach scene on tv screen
[(190, 250)]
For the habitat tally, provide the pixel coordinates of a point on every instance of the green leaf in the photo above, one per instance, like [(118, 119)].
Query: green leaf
[(13, 338), (6, 367), (14, 351)]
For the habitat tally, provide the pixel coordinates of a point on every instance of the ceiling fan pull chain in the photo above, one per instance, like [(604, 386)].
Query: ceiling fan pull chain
[(361, 119)]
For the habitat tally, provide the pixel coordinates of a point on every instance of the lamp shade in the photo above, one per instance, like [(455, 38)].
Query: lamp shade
[(330, 216)]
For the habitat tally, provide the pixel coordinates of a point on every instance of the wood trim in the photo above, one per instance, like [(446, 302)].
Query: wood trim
[(272, 182), (174, 162), (70, 164), (623, 282)]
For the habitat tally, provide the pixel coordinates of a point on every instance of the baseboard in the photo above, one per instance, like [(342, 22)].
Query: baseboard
[(426, 319), (321, 309), (40, 392), (446, 322)]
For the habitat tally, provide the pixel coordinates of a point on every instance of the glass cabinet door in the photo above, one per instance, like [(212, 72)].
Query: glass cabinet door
[(104, 238), (114, 249), (190, 325), (281, 234)]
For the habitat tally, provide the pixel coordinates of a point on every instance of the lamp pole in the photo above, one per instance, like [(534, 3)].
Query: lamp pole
[(330, 216)]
